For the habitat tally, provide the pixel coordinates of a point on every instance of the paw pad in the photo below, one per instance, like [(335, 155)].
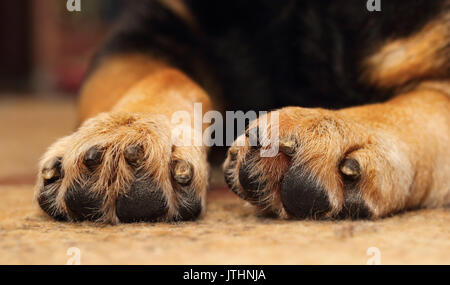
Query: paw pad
[(144, 201), (82, 204)]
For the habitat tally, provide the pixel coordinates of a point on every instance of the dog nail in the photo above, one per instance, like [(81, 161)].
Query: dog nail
[(48, 174), (182, 172), (253, 135), (287, 146), (53, 171), (93, 157), (134, 154), (350, 167), (233, 152)]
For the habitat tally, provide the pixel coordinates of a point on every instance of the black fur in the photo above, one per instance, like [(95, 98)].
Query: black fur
[(266, 54)]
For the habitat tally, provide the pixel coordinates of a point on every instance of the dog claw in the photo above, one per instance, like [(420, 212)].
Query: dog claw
[(350, 168), (182, 172), (52, 172), (48, 174), (253, 135), (134, 154), (233, 152), (93, 157), (287, 146)]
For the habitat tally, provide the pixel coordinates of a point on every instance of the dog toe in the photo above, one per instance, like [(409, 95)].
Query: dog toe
[(93, 158), (134, 155), (52, 171)]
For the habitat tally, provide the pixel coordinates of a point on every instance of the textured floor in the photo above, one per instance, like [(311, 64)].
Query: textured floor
[(228, 233)]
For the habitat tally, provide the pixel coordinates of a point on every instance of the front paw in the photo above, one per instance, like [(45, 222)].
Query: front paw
[(328, 166), (122, 167)]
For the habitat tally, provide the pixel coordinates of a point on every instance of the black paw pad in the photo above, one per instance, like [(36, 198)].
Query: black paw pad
[(250, 182), (82, 204), (46, 200), (191, 207), (301, 196), (143, 202), (354, 209)]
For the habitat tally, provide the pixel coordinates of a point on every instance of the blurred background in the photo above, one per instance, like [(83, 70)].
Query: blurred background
[(46, 48), (44, 54)]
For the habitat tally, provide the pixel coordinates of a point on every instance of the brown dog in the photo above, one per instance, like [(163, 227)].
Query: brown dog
[(372, 160)]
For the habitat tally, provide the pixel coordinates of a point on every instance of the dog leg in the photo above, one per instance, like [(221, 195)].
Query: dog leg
[(122, 164), (368, 161)]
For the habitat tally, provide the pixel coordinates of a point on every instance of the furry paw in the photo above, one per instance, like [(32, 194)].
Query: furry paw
[(329, 165), (122, 167)]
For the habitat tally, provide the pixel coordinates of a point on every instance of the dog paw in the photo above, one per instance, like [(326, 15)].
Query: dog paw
[(326, 165), (122, 167)]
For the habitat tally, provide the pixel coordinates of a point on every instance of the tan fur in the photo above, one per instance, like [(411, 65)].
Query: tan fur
[(113, 77), (179, 8), (419, 56)]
